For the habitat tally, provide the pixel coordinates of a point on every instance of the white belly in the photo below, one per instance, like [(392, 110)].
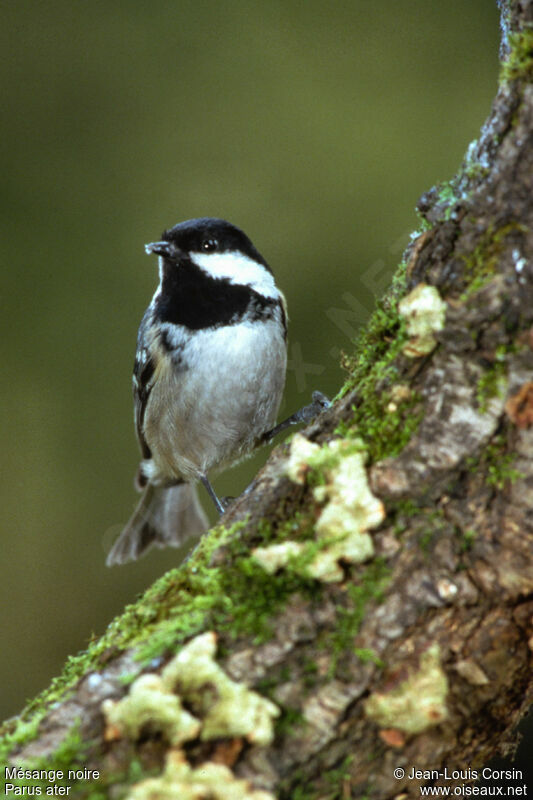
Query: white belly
[(209, 413)]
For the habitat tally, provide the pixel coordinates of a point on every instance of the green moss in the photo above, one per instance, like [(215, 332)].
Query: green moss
[(385, 428), (425, 224), (333, 784), (401, 513), (467, 540), (368, 656), (70, 755), (503, 472), (519, 63), (499, 464), (379, 343), (474, 171), (428, 523), (432, 524), (239, 598), (425, 539), (290, 720), (384, 424), (337, 777), (447, 197), (492, 382), (16, 733), (253, 597), (495, 462), (303, 789), (366, 587), (482, 264), (310, 675)]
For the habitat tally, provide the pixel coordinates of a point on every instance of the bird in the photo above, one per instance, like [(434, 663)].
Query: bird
[(208, 377)]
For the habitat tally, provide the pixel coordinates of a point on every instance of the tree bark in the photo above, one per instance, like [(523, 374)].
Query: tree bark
[(417, 654)]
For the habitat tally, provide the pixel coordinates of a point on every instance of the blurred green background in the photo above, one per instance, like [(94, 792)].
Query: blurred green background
[(315, 127)]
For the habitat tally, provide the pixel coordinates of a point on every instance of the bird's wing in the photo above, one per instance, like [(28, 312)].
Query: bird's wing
[(143, 381)]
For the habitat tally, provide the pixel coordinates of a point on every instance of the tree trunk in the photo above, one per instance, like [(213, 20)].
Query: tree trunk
[(395, 630)]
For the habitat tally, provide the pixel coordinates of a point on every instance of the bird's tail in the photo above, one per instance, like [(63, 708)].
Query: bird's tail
[(163, 518)]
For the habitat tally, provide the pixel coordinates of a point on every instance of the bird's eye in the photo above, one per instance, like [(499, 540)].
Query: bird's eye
[(209, 245)]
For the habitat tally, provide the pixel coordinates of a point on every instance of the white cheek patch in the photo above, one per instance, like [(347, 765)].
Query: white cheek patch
[(238, 269)]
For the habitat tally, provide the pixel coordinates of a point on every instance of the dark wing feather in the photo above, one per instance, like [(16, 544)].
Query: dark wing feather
[(143, 375)]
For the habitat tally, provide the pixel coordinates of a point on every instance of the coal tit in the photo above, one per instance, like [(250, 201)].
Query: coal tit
[(208, 377)]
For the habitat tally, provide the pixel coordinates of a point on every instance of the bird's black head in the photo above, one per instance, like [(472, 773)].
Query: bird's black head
[(205, 235), (211, 274)]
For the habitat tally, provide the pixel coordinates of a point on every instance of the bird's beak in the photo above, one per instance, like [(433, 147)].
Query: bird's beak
[(160, 248)]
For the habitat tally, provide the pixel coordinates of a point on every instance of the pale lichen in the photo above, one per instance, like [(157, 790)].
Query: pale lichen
[(222, 708), (226, 708), (418, 702), (276, 556), (301, 454), (149, 705), (350, 508), (424, 313), (207, 782)]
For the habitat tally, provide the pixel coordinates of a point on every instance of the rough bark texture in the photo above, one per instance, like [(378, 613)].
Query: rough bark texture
[(443, 613)]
